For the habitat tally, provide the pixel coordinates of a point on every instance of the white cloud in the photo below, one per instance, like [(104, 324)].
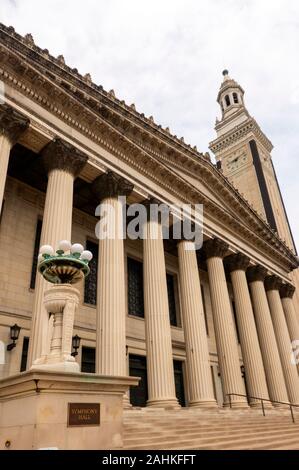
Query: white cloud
[(167, 57)]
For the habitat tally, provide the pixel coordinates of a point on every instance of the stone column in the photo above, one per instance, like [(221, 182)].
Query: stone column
[(272, 364), (160, 373), (63, 163), (273, 284), (197, 353), (286, 294), (111, 300), (227, 349), (12, 125), (251, 353)]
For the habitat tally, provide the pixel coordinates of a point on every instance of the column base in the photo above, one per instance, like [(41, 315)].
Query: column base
[(236, 405), (170, 403), (67, 367), (258, 405), (203, 404), (126, 402)]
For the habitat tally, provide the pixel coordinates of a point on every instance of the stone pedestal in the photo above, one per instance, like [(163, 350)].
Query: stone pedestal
[(61, 302), (34, 411)]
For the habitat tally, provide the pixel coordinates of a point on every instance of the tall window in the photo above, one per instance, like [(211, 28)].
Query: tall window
[(88, 360), (235, 97), (135, 288), (171, 299), (227, 100), (38, 232), (24, 354), (90, 287), (204, 308)]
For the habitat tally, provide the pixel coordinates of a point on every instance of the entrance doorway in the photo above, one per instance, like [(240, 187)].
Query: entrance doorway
[(179, 382), (137, 366)]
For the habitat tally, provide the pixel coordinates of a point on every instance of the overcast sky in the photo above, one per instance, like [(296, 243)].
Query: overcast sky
[(166, 56)]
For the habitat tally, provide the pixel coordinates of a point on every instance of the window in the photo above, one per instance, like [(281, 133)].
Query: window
[(24, 354), (227, 100), (135, 288), (90, 287), (88, 360), (235, 319), (38, 233), (171, 299), (204, 308), (235, 97)]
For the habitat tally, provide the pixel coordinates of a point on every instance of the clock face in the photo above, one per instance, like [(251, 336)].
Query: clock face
[(236, 160)]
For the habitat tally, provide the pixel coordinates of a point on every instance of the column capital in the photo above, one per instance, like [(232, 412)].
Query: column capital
[(215, 248), (236, 262), (287, 290), (61, 155), (273, 283), (111, 184), (12, 122), (256, 273)]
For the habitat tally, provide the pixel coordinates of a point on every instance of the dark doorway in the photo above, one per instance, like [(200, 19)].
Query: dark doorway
[(137, 365), (179, 382)]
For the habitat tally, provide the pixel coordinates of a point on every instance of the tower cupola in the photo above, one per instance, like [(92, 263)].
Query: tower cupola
[(230, 96)]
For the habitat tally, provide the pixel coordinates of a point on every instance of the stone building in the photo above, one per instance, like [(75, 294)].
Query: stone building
[(193, 325)]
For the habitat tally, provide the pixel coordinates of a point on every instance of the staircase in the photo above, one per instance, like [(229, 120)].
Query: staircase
[(147, 429)]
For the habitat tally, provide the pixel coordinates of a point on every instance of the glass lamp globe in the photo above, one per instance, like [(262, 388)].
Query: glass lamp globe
[(64, 245), (86, 255), (77, 249), (46, 250)]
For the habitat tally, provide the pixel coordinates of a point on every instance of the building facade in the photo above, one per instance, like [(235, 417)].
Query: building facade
[(195, 326)]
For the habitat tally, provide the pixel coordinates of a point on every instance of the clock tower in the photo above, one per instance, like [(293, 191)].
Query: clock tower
[(243, 153)]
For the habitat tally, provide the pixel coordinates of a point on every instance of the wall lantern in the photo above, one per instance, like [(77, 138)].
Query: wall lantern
[(14, 336), (75, 345)]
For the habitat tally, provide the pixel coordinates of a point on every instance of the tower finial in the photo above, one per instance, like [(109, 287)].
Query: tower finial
[(225, 72)]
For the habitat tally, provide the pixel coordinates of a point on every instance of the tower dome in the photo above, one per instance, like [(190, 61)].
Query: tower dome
[(230, 95)]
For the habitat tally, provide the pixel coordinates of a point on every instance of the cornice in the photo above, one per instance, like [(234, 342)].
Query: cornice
[(237, 133), (83, 114)]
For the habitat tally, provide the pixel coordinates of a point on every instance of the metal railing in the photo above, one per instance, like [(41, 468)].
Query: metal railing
[(262, 400)]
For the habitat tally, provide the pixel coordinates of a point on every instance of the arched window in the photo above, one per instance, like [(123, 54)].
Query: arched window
[(227, 100), (235, 96)]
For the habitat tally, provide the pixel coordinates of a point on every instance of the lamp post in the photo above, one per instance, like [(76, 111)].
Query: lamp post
[(75, 345), (64, 267)]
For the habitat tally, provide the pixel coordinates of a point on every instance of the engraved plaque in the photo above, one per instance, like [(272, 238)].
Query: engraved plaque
[(83, 414)]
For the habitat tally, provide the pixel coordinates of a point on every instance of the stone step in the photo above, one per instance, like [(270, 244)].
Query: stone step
[(218, 437), (147, 435)]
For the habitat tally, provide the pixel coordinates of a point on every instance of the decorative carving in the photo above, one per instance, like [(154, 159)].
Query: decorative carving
[(237, 262), (110, 185), (60, 155), (256, 273), (215, 248), (287, 290), (87, 78), (273, 283), (12, 123), (60, 59), (28, 39)]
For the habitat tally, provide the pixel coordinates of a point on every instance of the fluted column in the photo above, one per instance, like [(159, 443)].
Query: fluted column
[(271, 359), (251, 353), (286, 294), (197, 353), (12, 125), (160, 373), (111, 302), (227, 348), (62, 162), (273, 284)]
